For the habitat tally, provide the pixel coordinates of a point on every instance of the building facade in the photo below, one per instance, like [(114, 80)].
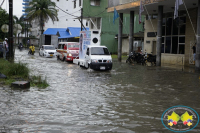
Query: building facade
[(171, 39), (68, 12), (98, 19)]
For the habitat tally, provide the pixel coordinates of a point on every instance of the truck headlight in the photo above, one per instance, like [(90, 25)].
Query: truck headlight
[(109, 61), (69, 54), (94, 60)]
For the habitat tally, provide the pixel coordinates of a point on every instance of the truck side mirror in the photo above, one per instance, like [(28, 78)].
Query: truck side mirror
[(110, 53)]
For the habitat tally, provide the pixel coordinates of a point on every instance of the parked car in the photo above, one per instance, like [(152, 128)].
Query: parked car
[(47, 51)]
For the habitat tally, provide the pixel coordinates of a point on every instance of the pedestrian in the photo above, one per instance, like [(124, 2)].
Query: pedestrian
[(194, 52), (5, 48)]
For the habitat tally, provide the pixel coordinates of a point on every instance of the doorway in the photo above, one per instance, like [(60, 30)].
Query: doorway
[(154, 48)]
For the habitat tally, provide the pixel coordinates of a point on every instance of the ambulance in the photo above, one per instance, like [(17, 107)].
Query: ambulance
[(68, 51)]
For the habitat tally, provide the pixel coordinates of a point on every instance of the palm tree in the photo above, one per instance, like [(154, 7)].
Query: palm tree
[(42, 10), (19, 21)]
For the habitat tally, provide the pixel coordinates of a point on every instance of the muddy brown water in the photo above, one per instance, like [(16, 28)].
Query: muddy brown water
[(127, 99)]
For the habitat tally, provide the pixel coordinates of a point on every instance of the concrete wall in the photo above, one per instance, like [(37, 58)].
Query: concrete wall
[(125, 46), (149, 28), (174, 59)]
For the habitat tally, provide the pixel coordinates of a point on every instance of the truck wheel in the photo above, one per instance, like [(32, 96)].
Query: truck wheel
[(88, 66), (58, 58), (63, 59)]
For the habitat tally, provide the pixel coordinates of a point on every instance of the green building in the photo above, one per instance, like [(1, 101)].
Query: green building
[(101, 24)]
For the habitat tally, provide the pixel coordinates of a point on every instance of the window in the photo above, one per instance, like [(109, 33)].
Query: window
[(80, 2), (87, 51), (95, 2), (98, 23), (74, 3), (99, 51), (173, 34)]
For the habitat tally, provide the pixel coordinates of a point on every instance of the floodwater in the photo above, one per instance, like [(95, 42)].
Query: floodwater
[(127, 99)]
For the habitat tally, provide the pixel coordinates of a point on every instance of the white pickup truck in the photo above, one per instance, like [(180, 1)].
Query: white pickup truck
[(96, 57)]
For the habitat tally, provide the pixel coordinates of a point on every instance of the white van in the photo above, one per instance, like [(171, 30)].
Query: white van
[(97, 58)]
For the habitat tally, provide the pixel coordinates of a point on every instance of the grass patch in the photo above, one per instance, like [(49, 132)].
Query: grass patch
[(114, 56), (19, 72), (38, 81)]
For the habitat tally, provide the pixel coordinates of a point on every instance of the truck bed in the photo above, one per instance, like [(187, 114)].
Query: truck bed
[(80, 62)]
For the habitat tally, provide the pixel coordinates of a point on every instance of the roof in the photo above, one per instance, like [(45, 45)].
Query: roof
[(63, 33)]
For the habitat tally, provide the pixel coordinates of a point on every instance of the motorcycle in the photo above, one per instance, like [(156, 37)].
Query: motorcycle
[(31, 52), (151, 58), (141, 58), (130, 58), (20, 47)]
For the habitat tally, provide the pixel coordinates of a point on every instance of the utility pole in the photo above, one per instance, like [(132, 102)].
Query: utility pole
[(81, 19), (11, 53)]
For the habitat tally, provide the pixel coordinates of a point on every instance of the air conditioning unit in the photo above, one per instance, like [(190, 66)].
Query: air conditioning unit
[(95, 37)]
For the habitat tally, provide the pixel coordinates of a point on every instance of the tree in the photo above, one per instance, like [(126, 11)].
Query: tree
[(19, 21), (42, 10), (4, 19)]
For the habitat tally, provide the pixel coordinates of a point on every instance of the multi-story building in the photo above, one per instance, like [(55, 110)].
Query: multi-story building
[(101, 24), (25, 6), (170, 38), (68, 12), (34, 30)]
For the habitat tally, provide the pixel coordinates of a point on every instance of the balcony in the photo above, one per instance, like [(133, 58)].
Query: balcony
[(26, 7), (26, 4), (27, 0)]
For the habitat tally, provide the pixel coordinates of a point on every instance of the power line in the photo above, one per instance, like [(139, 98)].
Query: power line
[(79, 10), (2, 3), (67, 12)]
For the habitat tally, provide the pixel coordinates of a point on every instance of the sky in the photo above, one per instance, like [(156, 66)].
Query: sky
[(17, 7)]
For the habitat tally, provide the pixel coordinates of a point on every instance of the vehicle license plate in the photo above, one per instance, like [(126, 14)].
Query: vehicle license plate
[(102, 67), (51, 55)]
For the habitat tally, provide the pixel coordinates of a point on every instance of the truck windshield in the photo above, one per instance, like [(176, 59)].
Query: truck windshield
[(99, 51), (73, 46), (49, 47)]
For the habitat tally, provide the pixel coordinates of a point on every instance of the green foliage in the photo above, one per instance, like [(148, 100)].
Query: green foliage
[(38, 81), (13, 69), (116, 56), (42, 10), (19, 71)]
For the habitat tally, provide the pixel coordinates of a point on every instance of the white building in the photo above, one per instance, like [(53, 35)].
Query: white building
[(68, 11)]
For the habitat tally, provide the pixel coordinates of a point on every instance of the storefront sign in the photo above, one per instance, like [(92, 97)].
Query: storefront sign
[(151, 34)]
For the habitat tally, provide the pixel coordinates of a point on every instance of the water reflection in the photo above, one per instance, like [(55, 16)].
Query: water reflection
[(130, 98)]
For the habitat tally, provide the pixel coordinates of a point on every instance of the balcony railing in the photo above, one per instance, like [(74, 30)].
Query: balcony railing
[(25, 4)]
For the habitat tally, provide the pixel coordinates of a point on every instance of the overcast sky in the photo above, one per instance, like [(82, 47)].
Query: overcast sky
[(17, 7)]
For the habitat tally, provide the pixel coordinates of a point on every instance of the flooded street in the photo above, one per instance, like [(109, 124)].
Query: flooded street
[(127, 99)]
